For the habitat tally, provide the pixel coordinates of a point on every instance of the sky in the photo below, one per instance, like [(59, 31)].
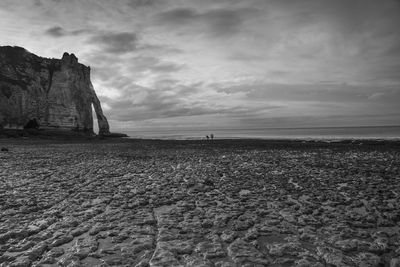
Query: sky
[(234, 64)]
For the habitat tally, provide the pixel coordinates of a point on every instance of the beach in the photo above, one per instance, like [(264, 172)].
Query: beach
[(133, 202)]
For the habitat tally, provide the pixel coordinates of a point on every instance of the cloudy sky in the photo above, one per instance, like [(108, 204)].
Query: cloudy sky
[(224, 63)]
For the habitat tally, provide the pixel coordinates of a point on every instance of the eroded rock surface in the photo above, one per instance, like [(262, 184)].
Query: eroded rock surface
[(54, 93), (150, 203)]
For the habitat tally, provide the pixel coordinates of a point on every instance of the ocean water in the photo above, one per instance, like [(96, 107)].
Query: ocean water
[(365, 132)]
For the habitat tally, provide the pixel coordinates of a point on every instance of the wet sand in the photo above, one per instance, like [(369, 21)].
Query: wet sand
[(199, 203)]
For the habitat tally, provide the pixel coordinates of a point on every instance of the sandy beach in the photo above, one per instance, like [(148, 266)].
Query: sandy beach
[(199, 203)]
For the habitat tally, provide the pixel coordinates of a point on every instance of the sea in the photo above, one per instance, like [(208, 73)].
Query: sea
[(314, 133)]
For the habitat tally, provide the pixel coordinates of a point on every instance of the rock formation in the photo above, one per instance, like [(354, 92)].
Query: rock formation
[(47, 93)]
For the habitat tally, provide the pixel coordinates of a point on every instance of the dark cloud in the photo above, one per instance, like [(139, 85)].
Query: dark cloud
[(58, 31), (141, 3), (225, 22), (347, 17), (115, 43), (37, 3), (179, 16), (217, 22)]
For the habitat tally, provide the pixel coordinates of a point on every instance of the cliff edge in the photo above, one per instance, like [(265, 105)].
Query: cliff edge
[(47, 93)]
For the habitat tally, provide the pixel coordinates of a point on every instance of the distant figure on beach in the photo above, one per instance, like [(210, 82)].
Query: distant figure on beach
[(32, 124), (208, 138), (212, 136)]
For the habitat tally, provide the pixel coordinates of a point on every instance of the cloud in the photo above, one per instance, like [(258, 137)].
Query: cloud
[(243, 56), (178, 16), (216, 22), (155, 103), (115, 43), (230, 61), (324, 92), (141, 3), (376, 95), (168, 99), (58, 31), (38, 3), (153, 64)]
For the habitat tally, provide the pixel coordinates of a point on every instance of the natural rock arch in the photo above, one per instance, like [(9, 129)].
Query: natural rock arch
[(58, 93)]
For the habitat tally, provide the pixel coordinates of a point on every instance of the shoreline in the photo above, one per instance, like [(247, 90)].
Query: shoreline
[(322, 139), (65, 135), (255, 144)]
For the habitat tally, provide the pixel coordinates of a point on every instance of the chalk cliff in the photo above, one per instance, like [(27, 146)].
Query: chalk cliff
[(57, 93)]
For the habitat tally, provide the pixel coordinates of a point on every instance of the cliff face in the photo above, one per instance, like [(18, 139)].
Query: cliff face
[(57, 93)]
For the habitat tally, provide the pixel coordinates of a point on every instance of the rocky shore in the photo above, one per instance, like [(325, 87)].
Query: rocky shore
[(64, 135), (199, 203)]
